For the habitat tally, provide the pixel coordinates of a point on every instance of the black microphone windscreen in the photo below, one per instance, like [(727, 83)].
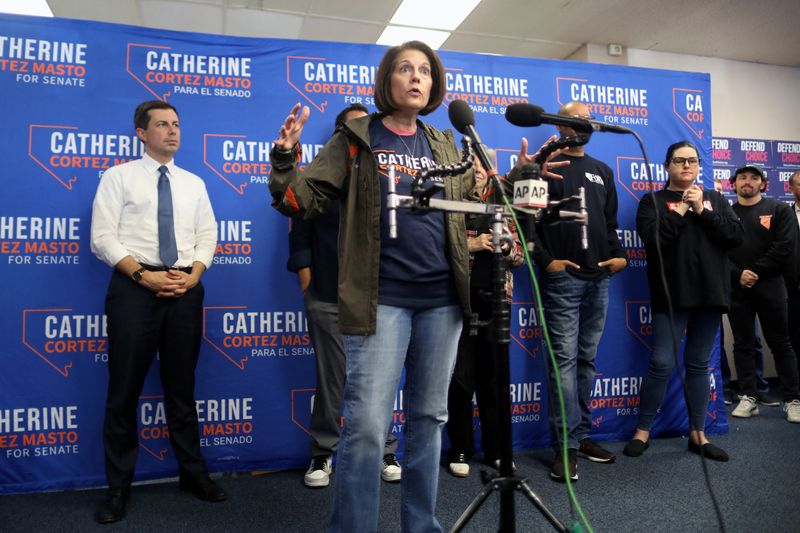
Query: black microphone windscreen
[(525, 115), (460, 115)]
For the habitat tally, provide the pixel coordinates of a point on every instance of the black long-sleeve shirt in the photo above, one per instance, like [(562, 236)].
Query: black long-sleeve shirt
[(313, 243), (694, 249), (562, 240), (770, 244)]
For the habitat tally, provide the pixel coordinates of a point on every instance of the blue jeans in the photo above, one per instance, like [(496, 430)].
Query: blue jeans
[(575, 311), (425, 342), (701, 331)]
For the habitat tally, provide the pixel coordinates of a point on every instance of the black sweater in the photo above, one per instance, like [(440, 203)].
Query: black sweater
[(313, 243), (694, 249), (770, 244)]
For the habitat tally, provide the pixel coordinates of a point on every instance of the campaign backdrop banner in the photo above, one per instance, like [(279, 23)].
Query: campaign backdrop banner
[(777, 159), (70, 88)]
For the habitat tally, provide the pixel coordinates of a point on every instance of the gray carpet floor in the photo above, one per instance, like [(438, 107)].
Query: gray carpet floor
[(664, 490)]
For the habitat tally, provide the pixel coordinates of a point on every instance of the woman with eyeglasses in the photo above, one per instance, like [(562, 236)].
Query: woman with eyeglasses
[(694, 228)]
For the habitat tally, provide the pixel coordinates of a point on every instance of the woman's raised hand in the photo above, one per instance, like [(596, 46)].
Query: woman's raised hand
[(292, 127)]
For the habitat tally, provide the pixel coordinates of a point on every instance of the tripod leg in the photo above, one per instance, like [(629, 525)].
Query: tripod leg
[(536, 501), (473, 507)]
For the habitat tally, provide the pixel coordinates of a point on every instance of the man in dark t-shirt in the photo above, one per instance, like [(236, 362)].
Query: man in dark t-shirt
[(574, 285)]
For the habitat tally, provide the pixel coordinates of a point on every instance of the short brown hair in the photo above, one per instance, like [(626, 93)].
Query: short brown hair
[(141, 117), (383, 79)]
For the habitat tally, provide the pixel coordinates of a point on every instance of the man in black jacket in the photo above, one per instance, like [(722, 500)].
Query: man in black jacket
[(758, 269)]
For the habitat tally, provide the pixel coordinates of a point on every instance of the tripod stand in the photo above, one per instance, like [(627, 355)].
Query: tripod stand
[(507, 483)]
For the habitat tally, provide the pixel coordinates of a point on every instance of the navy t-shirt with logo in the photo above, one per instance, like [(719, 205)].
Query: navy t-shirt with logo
[(414, 268)]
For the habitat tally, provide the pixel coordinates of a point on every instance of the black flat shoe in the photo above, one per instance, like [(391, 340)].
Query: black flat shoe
[(201, 486), (113, 508), (709, 451), (635, 448)]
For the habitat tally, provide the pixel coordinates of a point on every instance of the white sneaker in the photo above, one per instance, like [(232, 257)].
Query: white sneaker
[(748, 406), (792, 410), (391, 470), (458, 466), (319, 472)]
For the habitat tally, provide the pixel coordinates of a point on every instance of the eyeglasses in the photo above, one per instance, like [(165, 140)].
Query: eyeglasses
[(683, 160)]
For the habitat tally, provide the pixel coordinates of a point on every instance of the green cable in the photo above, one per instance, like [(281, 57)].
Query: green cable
[(572, 496)]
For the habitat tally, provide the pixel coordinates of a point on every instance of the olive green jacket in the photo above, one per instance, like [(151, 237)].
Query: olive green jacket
[(346, 169)]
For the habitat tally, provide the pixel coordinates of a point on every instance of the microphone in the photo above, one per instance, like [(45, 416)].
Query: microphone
[(529, 115), (530, 191), (585, 223), (463, 120), (391, 204)]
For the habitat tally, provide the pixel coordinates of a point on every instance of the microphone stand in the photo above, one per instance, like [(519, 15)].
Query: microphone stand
[(506, 483)]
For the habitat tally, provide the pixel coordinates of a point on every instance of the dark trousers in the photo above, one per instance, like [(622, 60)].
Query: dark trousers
[(139, 325), (761, 383), (794, 322), (767, 300), (474, 374)]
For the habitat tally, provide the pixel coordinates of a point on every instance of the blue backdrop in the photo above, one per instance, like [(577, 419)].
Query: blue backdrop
[(70, 88)]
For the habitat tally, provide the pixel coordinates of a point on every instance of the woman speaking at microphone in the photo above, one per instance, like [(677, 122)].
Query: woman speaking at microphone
[(695, 229), (401, 301)]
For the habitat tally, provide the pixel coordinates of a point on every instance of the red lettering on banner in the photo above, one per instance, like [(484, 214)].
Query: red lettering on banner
[(525, 408), (9, 441), (14, 66), (9, 247), (227, 428), (52, 437), (78, 71), (52, 247)]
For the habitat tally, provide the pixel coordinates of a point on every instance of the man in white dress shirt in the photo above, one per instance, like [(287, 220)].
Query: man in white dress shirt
[(152, 221)]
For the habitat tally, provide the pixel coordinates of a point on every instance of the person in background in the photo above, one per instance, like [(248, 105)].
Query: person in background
[(475, 372), (313, 256), (574, 284), (765, 396), (761, 269), (794, 289), (687, 233)]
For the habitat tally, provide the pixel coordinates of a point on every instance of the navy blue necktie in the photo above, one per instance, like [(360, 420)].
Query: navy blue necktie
[(167, 248)]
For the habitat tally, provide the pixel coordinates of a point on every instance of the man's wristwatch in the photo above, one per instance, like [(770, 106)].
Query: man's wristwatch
[(137, 276)]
